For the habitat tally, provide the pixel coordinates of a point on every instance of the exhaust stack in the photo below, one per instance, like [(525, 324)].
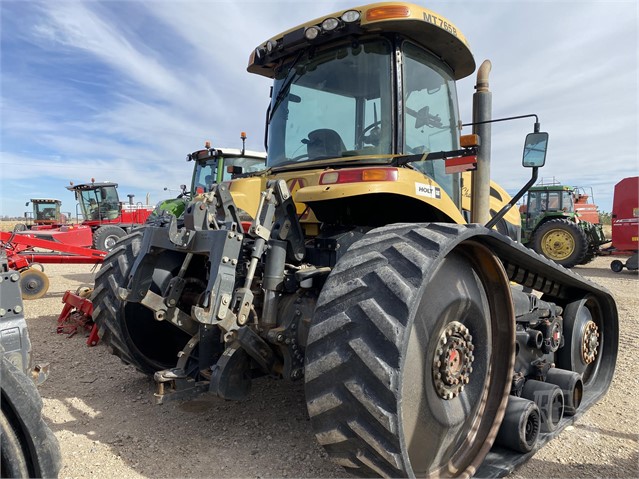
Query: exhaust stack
[(482, 111)]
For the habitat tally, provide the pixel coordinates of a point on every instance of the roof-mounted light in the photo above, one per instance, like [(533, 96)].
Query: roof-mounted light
[(311, 33), (259, 53), (387, 12), (270, 46), (350, 16), (330, 24)]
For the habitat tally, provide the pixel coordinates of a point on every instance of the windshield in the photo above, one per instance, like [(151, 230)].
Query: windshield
[(430, 112), (334, 103), (206, 174), (46, 211), (100, 204)]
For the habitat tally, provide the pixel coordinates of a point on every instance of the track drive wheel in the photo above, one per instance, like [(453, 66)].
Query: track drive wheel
[(28, 447), (129, 328), (410, 355), (561, 241), (105, 237), (33, 283)]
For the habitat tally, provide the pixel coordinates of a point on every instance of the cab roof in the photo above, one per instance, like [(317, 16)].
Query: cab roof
[(91, 186), (551, 188), (45, 200), (236, 152), (417, 23)]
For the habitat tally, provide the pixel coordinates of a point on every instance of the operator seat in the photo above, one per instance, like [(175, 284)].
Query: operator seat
[(324, 143)]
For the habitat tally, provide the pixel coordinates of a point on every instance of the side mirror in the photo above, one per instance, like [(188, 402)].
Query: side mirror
[(535, 150)]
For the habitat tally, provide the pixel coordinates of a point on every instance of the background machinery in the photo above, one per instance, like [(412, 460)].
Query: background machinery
[(105, 217), (560, 223), (419, 336), (103, 212), (46, 214), (625, 224), (212, 166)]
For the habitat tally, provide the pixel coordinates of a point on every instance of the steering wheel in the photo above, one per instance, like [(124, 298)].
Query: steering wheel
[(373, 137)]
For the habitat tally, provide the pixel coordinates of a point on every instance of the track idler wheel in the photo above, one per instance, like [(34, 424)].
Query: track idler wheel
[(520, 428), (589, 349), (571, 385), (550, 401), (33, 283)]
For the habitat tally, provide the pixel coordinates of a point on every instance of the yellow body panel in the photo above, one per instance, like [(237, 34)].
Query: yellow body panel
[(512, 216), (246, 193), (305, 188), (409, 183)]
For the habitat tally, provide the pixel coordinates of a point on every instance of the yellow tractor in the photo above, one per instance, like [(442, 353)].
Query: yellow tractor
[(378, 267)]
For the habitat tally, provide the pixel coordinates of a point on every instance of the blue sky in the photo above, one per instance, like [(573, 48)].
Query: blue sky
[(123, 90)]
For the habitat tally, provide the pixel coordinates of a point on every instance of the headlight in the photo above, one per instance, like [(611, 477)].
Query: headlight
[(350, 16), (330, 24), (312, 33)]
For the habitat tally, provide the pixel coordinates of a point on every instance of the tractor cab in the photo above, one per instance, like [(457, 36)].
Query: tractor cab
[(544, 201), (213, 165), (99, 202), (46, 213), (371, 86)]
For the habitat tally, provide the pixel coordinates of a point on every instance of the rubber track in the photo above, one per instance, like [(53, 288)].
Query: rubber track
[(359, 329), (107, 305)]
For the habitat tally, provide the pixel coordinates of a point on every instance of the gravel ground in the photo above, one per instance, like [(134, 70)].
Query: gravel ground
[(104, 416)]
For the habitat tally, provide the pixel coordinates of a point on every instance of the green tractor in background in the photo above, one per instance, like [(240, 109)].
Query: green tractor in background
[(211, 166), (561, 223)]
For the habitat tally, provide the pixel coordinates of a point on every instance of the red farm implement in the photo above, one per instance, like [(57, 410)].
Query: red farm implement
[(76, 315), (625, 224), (25, 250)]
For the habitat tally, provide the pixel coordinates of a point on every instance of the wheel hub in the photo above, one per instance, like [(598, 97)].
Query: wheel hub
[(452, 362), (558, 244), (110, 241), (590, 343)]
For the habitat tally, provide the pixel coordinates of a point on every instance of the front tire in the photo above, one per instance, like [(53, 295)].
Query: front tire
[(130, 328), (28, 447), (406, 355), (105, 237), (561, 241)]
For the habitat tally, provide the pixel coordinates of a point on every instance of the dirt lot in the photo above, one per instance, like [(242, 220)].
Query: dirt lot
[(108, 426)]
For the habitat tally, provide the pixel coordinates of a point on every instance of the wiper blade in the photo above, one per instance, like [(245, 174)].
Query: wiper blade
[(286, 85), (434, 155)]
